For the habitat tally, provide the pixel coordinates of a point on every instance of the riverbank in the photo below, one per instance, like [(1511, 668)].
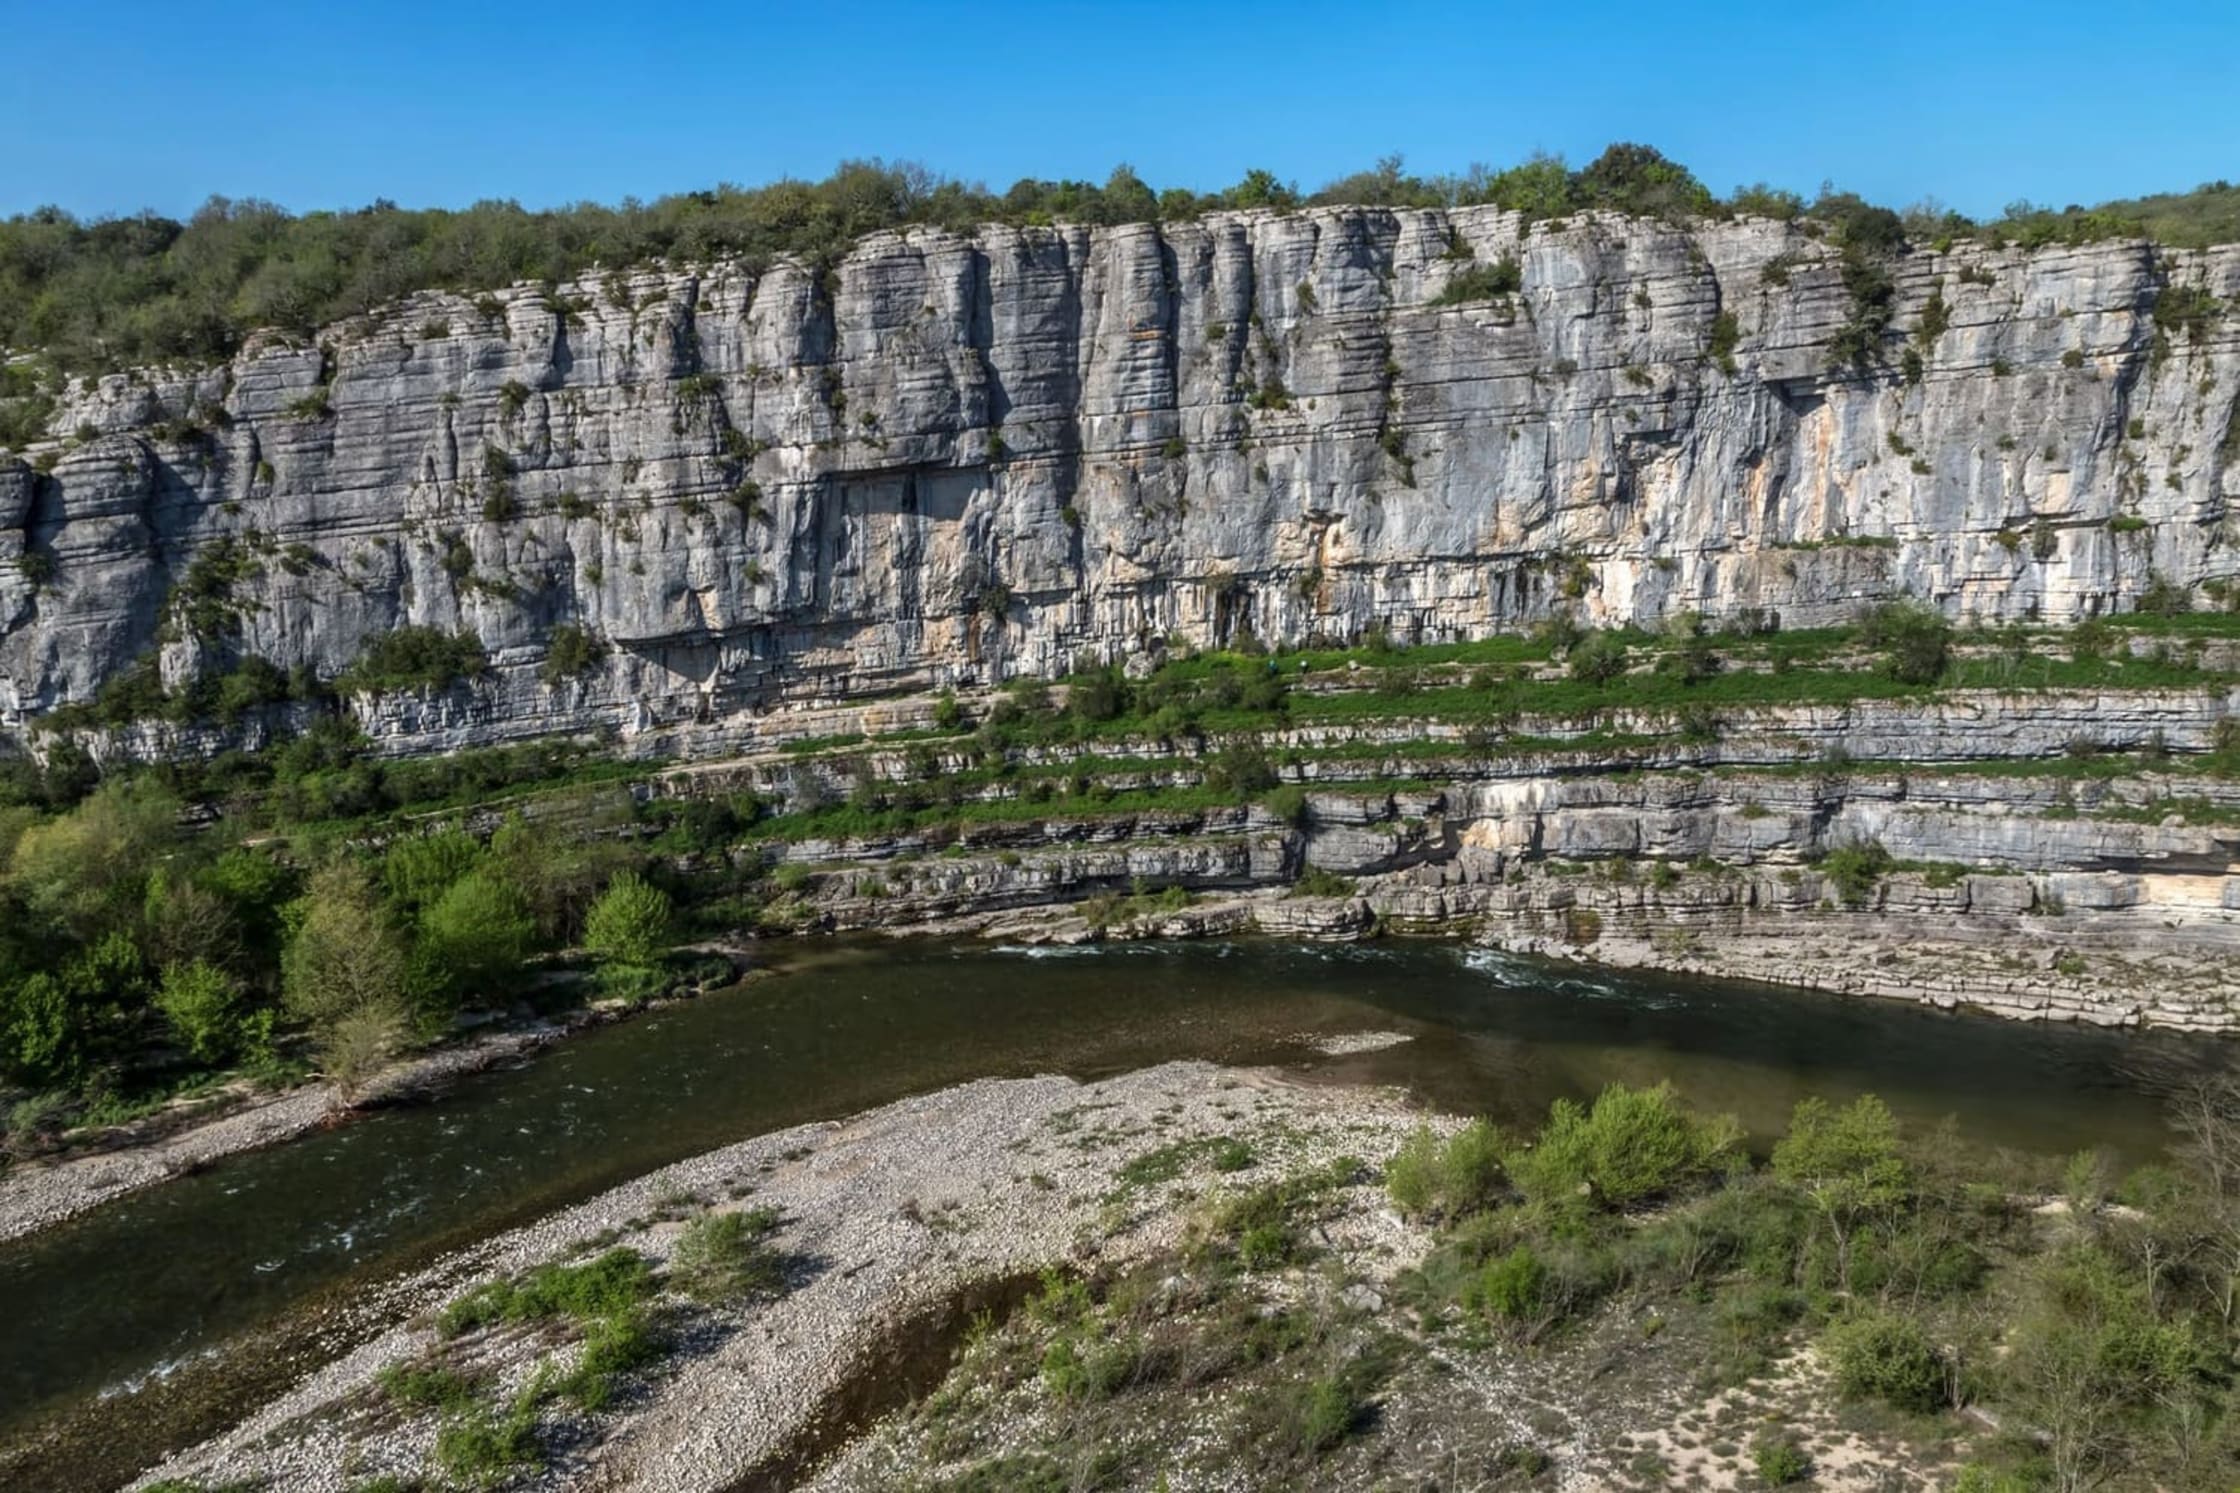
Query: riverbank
[(1998, 943), (39, 1194), (901, 1242), (165, 1318), (885, 1217), (2042, 840)]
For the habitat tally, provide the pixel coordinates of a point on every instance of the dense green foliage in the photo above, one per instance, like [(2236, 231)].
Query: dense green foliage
[(628, 928), (614, 1282), (112, 292), (140, 959), (1631, 1144), (2104, 1337), (415, 658)]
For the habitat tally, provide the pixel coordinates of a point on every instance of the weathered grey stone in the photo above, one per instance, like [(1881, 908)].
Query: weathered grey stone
[(982, 455)]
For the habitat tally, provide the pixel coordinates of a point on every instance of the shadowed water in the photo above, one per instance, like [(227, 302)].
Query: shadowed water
[(145, 1324)]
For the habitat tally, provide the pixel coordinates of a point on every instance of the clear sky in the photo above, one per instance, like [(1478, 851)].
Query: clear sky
[(116, 105)]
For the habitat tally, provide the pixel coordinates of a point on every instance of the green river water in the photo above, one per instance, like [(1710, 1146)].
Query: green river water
[(148, 1323)]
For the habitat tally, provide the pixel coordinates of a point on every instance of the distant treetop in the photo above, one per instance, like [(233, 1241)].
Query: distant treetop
[(110, 293)]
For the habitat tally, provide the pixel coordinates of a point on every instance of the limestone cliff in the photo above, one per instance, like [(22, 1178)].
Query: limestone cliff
[(950, 458)]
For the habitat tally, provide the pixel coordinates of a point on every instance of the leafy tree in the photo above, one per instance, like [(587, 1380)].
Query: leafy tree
[(1631, 1145), (86, 870), (564, 859), (418, 871), (187, 923), (1862, 228), (202, 1005), (1541, 187), (1641, 179), (1847, 1162), (2089, 1357), (358, 1043), (344, 973), (1384, 185), (254, 886), (629, 924), (1762, 201), (478, 932), (45, 1037), (1261, 189), (1916, 640)]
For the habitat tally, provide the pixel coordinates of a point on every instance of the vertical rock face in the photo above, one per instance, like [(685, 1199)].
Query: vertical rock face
[(953, 458)]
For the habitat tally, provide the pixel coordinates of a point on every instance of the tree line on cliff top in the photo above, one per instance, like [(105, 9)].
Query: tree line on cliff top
[(114, 292)]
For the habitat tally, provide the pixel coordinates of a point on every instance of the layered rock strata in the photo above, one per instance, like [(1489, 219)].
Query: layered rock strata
[(949, 459)]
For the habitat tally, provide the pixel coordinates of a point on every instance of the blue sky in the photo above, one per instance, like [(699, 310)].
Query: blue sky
[(115, 105)]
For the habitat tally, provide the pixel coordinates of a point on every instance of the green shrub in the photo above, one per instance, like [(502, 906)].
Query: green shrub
[(1510, 1286), (612, 1347), (1916, 640), (1316, 882), (726, 1256), (1460, 1174), (1328, 1411), (1271, 395), (427, 1386), (1288, 803), (480, 1449), (1884, 1356), (570, 651), (1260, 1226), (1597, 658), (1074, 1369), (613, 1284), (1240, 771), (413, 657), (1482, 282), (1726, 335), (1856, 869), (1633, 1144), (630, 924), (1780, 1461)]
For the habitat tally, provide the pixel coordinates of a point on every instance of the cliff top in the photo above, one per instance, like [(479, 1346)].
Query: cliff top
[(102, 295)]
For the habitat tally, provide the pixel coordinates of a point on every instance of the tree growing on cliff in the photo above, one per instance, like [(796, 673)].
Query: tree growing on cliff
[(1598, 658), (1915, 640)]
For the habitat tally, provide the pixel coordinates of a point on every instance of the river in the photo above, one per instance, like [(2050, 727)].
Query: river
[(148, 1323)]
